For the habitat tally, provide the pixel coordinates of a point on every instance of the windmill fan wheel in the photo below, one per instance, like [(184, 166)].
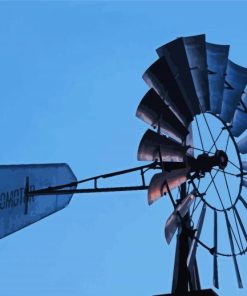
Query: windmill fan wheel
[(197, 109)]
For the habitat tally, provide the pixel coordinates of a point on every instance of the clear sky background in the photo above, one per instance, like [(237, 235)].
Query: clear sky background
[(70, 77)]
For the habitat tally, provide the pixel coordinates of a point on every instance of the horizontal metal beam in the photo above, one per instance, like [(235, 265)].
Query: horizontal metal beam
[(87, 190)]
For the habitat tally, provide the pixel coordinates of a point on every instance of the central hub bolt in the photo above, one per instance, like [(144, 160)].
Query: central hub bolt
[(204, 163)]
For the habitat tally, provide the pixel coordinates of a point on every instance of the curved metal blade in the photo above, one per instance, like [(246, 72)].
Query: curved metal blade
[(236, 80), (189, 141), (159, 182), (244, 165), (153, 145), (216, 276), (155, 112), (240, 223), (192, 253), (160, 77), (174, 220), (175, 55), (195, 47), (217, 57), (240, 284), (242, 145), (239, 124)]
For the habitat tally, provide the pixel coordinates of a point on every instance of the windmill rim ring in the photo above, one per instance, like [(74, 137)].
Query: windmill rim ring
[(226, 127), (244, 251)]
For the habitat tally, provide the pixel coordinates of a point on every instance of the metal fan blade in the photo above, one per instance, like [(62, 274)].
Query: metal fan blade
[(159, 182), (153, 145), (195, 47), (155, 112), (245, 183), (240, 284), (236, 80), (239, 123), (243, 201), (215, 275), (160, 77), (193, 248), (175, 55), (244, 165), (189, 141), (242, 145), (217, 57), (174, 220), (240, 223)]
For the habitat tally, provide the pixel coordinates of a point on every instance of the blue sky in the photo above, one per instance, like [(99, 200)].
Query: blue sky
[(70, 77)]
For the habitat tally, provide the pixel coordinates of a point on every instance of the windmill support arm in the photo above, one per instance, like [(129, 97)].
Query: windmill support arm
[(70, 187), (87, 190)]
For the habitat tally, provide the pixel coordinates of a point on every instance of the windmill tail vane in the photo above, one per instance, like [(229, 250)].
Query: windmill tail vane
[(196, 108)]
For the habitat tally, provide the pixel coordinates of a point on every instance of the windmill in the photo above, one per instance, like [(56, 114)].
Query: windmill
[(197, 109)]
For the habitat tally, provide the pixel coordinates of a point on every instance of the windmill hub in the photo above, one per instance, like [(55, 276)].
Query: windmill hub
[(204, 163)]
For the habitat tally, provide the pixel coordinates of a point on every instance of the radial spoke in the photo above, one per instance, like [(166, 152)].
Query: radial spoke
[(214, 144), (200, 136), (195, 207), (205, 151), (215, 141), (217, 191), (193, 210), (212, 180), (227, 173), (233, 164)]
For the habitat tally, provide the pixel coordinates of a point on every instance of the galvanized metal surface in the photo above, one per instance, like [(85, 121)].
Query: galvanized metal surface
[(195, 47), (156, 113), (12, 196), (175, 55), (174, 220), (236, 79), (159, 182), (153, 145), (239, 123), (193, 248), (217, 58), (160, 77)]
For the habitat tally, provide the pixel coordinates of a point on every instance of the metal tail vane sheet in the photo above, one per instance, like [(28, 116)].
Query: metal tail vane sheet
[(12, 197)]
